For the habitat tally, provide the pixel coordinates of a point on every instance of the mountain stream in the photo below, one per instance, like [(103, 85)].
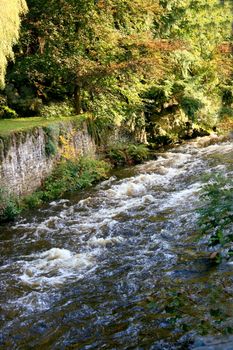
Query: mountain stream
[(119, 266)]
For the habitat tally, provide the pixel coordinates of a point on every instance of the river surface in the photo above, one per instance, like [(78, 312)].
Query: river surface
[(119, 266)]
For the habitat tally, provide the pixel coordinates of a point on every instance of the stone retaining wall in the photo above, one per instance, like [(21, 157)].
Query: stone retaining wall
[(24, 159)]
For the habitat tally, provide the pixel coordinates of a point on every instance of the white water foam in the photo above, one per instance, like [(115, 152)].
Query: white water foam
[(92, 220), (31, 302), (54, 266), (182, 196), (141, 184), (95, 242)]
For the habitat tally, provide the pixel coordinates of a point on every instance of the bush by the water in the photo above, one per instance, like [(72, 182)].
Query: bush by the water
[(216, 216), (9, 206), (69, 176), (127, 154)]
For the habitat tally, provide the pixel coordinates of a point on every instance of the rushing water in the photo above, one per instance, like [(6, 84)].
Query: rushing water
[(118, 267)]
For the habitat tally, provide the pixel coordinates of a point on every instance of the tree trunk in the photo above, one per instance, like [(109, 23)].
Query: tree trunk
[(77, 99)]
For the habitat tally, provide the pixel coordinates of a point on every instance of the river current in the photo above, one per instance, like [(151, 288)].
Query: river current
[(119, 266)]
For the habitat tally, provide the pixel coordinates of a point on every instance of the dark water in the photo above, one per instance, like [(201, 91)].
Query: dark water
[(119, 266)]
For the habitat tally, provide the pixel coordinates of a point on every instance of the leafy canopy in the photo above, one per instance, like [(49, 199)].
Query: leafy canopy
[(10, 11)]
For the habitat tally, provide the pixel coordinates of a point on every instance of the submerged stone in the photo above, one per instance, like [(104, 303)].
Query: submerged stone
[(213, 343)]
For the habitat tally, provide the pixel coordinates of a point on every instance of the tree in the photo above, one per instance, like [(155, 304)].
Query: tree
[(120, 60), (85, 49), (10, 12), (192, 90)]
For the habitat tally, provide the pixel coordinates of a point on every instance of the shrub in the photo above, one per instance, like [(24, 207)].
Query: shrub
[(34, 200), (191, 106), (100, 128), (216, 216), (52, 133), (7, 113), (138, 153), (50, 148), (122, 153), (56, 110), (9, 206), (70, 176)]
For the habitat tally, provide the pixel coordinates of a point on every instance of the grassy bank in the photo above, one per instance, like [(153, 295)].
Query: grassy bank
[(8, 126)]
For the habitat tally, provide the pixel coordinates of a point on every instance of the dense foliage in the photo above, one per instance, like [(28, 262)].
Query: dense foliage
[(10, 11), (126, 154), (151, 65), (9, 206), (67, 177), (216, 216), (200, 72)]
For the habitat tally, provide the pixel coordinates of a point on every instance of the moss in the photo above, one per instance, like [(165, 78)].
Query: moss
[(1, 150), (6, 141), (51, 139)]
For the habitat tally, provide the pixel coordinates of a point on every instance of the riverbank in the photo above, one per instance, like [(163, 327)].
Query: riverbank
[(42, 160), (73, 173), (30, 150), (68, 176)]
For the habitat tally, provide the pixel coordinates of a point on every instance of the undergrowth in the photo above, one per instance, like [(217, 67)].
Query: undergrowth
[(67, 177), (9, 206), (127, 154), (72, 174), (216, 216)]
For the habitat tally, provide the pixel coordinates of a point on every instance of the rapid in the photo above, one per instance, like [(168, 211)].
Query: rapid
[(119, 266)]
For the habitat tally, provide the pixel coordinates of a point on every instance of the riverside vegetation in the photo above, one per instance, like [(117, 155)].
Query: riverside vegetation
[(119, 264), (72, 171), (71, 175), (216, 216), (68, 176)]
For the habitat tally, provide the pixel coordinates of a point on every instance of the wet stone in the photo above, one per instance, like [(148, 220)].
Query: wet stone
[(213, 343)]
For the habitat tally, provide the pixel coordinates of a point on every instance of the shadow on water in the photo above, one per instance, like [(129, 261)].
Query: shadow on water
[(118, 266)]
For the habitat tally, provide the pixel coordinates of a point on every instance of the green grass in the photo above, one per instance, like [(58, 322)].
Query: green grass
[(8, 126)]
